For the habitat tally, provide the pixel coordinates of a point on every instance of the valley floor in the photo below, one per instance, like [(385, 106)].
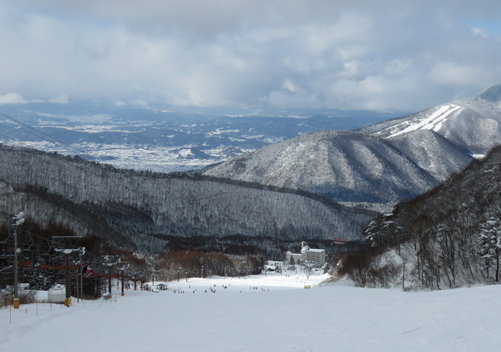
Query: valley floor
[(280, 315)]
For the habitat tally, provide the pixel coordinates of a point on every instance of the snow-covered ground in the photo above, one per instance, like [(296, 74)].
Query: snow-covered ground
[(280, 315)]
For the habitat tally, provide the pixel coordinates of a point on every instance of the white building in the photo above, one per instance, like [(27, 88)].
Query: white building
[(314, 255), (307, 254), (297, 257)]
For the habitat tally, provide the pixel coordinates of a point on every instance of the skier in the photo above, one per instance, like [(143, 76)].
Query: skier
[(3, 258)]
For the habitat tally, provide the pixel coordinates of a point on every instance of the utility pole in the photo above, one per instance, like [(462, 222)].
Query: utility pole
[(82, 253), (67, 251), (108, 264), (125, 267), (76, 282), (18, 220)]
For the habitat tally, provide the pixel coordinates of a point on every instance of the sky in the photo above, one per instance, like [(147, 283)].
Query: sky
[(383, 55)]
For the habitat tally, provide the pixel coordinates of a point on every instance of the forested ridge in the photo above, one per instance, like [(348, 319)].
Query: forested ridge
[(131, 206), (447, 237)]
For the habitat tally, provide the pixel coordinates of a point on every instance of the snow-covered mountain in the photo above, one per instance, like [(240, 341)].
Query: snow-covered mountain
[(383, 163), (349, 166), (432, 152), (472, 123)]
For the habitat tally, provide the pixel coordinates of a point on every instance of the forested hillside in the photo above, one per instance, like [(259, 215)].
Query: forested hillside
[(447, 237), (344, 166), (137, 205)]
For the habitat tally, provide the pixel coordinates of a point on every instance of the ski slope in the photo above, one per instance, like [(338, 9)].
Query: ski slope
[(433, 122), (280, 315)]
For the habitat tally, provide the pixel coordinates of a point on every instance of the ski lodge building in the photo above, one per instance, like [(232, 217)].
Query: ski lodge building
[(307, 254)]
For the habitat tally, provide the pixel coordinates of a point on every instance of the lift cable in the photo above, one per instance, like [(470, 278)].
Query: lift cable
[(52, 139), (4, 135)]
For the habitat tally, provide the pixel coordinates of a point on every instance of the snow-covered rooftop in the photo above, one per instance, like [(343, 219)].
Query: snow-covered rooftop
[(316, 250)]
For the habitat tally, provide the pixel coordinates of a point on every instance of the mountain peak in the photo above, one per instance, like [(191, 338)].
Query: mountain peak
[(492, 94)]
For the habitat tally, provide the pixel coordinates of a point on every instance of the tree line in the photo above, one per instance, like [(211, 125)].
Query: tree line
[(445, 238)]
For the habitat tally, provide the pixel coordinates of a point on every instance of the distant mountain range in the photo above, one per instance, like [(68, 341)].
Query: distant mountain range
[(382, 163), (163, 140)]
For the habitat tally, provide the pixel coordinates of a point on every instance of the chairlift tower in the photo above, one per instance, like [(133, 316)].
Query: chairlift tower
[(18, 220)]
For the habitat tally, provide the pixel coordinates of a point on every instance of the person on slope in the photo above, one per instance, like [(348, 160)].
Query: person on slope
[(3, 258)]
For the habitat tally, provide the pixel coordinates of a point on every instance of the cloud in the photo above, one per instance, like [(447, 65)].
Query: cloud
[(362, 54), (480, 32), (12, 98), (138, 102), (61, 99)]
